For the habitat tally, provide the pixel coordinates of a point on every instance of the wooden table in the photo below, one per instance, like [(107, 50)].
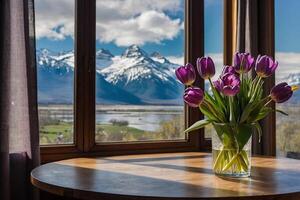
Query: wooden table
[(166, 176)]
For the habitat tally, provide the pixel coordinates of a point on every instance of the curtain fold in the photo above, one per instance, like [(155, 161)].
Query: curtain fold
[(19, 136), (255, 34)]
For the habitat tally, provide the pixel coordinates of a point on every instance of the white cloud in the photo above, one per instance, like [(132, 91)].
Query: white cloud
[(289, 63), (176, 59), (54, 18), (123, 22)]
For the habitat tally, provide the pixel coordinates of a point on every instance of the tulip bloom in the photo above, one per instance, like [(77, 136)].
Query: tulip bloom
[(265, 66), (229, 69), (193, 96), (228, 84), (243, 62), (206, 67), (186, 74), (282, 92)]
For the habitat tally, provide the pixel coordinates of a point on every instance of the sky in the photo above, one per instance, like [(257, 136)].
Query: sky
[(155, 25), (152, 25)]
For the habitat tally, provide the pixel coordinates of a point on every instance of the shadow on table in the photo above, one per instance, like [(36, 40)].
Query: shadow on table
[(88, 183), (151, 159), (183, 168)]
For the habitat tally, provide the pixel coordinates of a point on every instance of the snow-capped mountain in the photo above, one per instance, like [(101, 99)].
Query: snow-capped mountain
[(103, 58), (293, 79), (158, 57), (134, 77), (151, 80), (56, 78), (131, 78)]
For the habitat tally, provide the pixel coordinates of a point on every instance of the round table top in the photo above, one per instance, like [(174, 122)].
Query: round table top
[(166, 176)]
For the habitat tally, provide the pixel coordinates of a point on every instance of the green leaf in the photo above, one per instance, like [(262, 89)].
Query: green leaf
[(248, 109), (212, 103), (258, 129), (225, 133), (218, 98), (209, 98), (244, 132), (262, 114), (282, 112), (206, 111), (197, 125), (217, 95), (252, 110), (215, 111)]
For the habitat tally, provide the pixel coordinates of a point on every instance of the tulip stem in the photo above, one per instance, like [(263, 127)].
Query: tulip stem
[(255, 89), (268, 102), (231, 118), (216, 95)]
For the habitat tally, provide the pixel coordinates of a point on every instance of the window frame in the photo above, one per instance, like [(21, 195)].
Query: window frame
[(264, 33), (84, 106), (84, 92)]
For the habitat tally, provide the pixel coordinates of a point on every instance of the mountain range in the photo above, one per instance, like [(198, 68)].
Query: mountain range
[(135, 77)]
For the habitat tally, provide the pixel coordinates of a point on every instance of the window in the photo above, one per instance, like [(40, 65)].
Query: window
[(55, 67), (91, 108), (138, 47), (288, 55), (84, 95)]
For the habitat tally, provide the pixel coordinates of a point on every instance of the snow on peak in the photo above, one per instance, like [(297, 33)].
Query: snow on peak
[(104, 54), (134, 51), (46, 58), (293, 79), (158, 57), (136, 65), (156, 54), (44, 52)]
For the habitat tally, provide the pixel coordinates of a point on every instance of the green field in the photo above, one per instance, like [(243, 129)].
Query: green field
[(59, 132), (62, 132)]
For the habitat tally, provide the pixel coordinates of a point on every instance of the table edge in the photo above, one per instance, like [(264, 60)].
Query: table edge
[(85, 194)]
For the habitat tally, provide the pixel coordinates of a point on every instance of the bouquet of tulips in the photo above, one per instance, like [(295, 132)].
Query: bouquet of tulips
[(234, 106)]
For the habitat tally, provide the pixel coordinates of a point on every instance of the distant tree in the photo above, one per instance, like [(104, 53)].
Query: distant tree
[(116, 122)]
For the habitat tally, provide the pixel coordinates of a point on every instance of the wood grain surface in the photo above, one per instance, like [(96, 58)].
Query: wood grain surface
[(166, 176)]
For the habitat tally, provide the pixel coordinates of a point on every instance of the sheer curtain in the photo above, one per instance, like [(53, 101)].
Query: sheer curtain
[(19, 139)]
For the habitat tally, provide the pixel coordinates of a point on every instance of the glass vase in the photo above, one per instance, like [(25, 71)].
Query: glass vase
[(231, 149)]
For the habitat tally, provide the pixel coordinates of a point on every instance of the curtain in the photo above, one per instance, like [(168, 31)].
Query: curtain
[(19, 137), (255, 34)]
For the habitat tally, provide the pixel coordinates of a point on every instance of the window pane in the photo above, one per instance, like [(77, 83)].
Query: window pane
[(55, 68), (139, 45), (288, 55), (213, 40)]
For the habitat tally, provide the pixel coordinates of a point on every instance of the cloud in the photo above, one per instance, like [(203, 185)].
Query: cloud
[(149, 26), (289, 63), (123, 22), (54, 19), (176, 59)]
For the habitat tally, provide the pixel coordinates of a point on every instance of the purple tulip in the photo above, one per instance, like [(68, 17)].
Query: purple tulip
[(228, 84), (281, 92), (193, 96), (265, 66), (218, 84), (186, 74), (243, 62), (206, 67), (229, 69)]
